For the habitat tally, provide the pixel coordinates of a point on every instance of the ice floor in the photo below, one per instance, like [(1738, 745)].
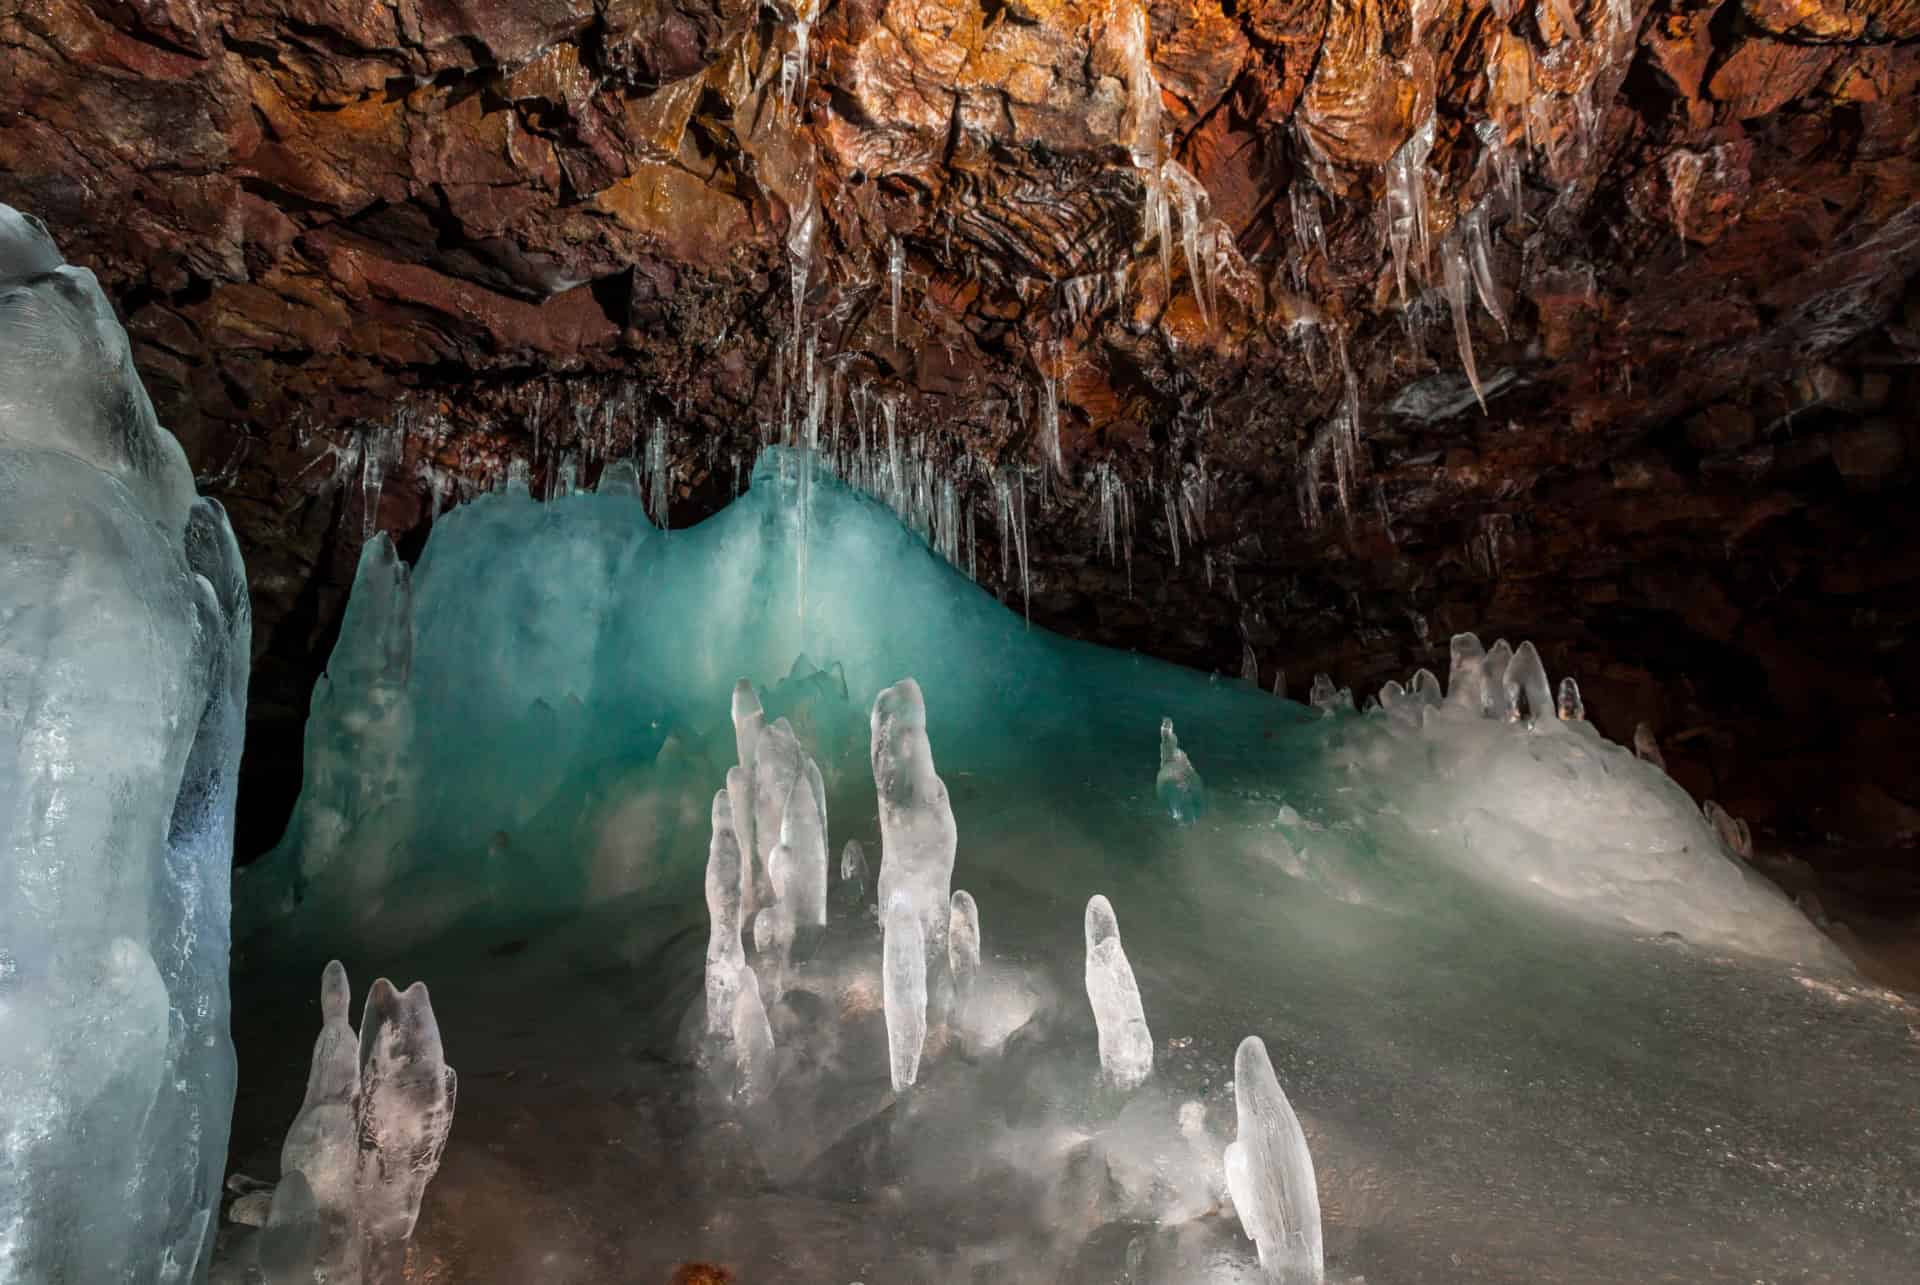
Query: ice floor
[(1537, 1025)]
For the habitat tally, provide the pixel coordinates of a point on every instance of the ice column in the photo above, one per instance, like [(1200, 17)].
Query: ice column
[(1126, 1046), (123, 667), (1270, 1173), (1178, 785)]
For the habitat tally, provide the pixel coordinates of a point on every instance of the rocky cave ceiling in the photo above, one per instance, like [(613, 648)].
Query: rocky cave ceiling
[(537, 228)]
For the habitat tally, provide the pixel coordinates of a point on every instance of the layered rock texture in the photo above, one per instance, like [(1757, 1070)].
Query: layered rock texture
[(1213, 270)]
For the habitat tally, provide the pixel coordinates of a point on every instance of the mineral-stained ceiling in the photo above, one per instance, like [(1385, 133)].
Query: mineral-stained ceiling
[(1202, 280)]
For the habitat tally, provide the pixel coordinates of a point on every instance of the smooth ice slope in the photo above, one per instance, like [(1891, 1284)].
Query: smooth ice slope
[(124, 647), (1535, 1023)]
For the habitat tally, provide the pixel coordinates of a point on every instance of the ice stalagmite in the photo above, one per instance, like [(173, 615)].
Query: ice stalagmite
[(124, 646), (803, 833), (853, 866), (1467, 679), (1126, 1046), (366, 1142), (1572, 708), (726, 960), (1270, 1173), (405, 1113), (1526, 684), (903, 988), (1178, 785), (917, 832), (322, 1143), (292, 1242), (778, 766), (963, 946), (755, 889)]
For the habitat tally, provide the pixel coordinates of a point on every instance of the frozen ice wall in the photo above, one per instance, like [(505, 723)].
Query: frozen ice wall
[(526, 722), (124, 646)]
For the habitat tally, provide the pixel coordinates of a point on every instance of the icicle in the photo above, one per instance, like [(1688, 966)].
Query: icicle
[(1683, 176), (1249, 664), (1049, 414), (794, 63), (1474, 226), (662, 473), (1309, 232), (896, 269), (1453, 268), (1406, 196), (1195, 209), (806, 221)]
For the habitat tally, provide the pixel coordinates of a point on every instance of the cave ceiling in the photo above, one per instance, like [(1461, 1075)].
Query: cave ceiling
[(1194, 272)]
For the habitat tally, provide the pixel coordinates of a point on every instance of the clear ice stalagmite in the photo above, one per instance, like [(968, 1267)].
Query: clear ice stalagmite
[(1126, 1045), (903, 989), (1270, 1173), (1177, 785), (367, 1141)]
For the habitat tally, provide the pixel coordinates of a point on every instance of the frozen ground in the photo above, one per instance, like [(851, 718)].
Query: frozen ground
[(1536, 1024)]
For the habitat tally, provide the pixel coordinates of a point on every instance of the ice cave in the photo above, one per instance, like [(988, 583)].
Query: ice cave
[(1106, 643)]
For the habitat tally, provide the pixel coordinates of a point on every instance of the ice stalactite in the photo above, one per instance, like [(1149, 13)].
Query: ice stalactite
[(1126, 1045), (896, 269), (1177, 785), (1114, 505), (1474, 229), (367, 1141), (1406, 203), (1010, 512), (1454, 273), (796, 62), (1683, 177), (1249, 665), (1195, 209), (903, 986), (1046, 358), (1270, 1173), (804, 226), (380, 448), (1309, 230)]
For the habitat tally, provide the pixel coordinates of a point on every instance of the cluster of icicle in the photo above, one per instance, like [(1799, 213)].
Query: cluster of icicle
[(367, 1140)]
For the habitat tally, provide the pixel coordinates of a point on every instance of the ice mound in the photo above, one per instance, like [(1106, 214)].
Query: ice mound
[(124, 648), (1496, 781)]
